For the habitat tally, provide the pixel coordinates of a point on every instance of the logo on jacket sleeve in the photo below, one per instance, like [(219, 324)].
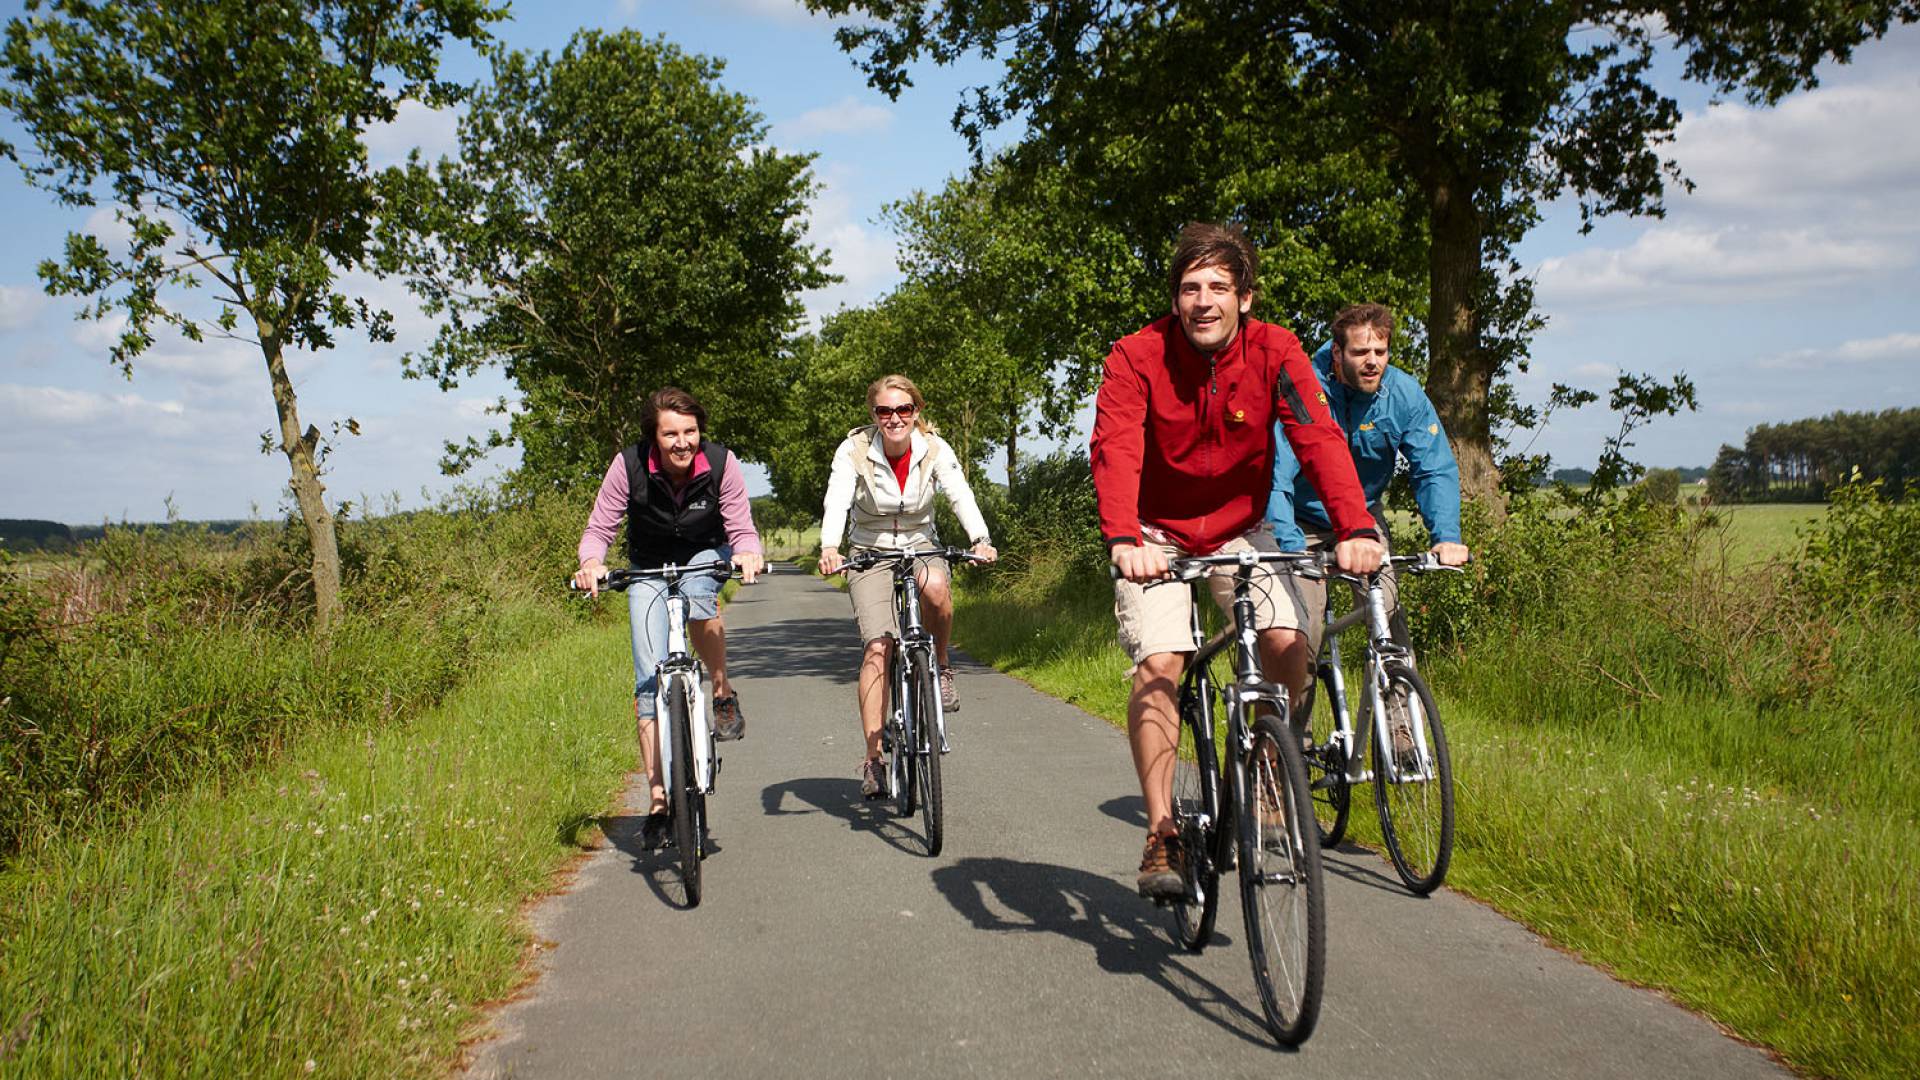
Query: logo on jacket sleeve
[(1322, 395)]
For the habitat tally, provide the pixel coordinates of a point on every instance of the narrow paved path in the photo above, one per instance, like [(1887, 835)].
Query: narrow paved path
[(829, 944)]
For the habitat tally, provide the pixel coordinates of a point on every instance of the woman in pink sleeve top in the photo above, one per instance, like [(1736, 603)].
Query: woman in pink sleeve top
[(684, 499)]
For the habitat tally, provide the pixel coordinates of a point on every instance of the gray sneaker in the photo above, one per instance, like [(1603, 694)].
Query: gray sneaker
[(873, 778), (949, 693), (728, 722)]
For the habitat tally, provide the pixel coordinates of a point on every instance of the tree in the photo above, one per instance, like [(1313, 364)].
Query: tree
[(1477, 110), (614, 224), (226, 133)]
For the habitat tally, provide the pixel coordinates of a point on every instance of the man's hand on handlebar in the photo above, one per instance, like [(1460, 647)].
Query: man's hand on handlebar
[(1359, 555), (1140, 563), (831, 561), (750, 564), (1450, 554), (589, 576)]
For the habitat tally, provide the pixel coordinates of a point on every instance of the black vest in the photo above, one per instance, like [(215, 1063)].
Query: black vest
[(662, 529)]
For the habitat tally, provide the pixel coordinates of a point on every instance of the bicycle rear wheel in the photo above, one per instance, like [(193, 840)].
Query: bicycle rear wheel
[(1282, 892), (689, 805), (926, 741), (1415, 805), (1327, 768), (1197, 820)]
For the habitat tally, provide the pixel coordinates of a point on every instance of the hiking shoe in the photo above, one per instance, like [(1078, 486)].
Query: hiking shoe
[(873, 778), (949, 693), (1401, 728), (653, 831), (728, 723), (1163, 868)]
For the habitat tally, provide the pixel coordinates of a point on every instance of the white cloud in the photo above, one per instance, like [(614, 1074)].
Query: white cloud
[(57, 406), (1891, 348), (866, 257), (1731, 264), (848, 116), (434, 132), (20, 305)]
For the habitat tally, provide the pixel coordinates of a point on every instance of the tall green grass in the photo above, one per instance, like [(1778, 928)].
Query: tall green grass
[(343, 911)]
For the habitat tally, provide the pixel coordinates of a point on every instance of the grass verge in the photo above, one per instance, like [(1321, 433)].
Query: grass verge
[(342, 912), (1757, 867)]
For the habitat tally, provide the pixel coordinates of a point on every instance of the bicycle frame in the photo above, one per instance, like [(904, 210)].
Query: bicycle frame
[(1381, 648), (680, 671)]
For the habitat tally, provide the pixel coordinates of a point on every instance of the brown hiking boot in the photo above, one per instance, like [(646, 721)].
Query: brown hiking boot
[(949, 693), (1163, 868), (873, 778)]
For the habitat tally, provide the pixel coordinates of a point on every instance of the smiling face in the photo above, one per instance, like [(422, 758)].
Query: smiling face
[(1361, 360), (1210, 307), (676, 436), (896, 427)]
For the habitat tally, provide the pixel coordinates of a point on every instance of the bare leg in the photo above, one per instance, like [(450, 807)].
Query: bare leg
[(873, 691), (936, 610), (650, 760), (1153, 733), (1284, 659), (709, 637)]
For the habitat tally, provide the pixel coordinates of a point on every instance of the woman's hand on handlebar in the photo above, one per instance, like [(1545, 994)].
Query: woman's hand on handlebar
[(830, 561), (750, 564), (589, 576), (985, 552)]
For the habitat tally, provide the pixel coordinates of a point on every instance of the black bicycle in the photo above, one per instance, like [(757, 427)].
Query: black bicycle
[(683, 728), (1412, 771), (914, 732), (1252, 809)]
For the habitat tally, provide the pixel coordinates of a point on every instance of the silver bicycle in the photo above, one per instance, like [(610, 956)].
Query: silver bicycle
[(1409, 767)]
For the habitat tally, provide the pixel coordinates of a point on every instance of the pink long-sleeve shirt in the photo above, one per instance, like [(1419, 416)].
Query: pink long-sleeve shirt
[(736, 514)]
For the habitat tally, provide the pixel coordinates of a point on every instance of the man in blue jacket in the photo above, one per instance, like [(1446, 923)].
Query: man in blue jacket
[(1387, 417)]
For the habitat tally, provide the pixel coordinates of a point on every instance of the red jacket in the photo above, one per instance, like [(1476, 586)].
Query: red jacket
[(1185, 444)]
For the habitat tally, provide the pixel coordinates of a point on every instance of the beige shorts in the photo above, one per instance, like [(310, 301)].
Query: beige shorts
[(872, 593), (1158, 618), (1313, 594)]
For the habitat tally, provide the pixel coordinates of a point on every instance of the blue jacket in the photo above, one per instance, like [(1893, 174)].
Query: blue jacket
[(1381, 427)]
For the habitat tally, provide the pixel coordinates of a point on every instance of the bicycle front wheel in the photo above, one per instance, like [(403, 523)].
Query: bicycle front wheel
[(1413, 783), (901, 769), (689, 805), (926, 756), (1197, 820), (1282, 892)]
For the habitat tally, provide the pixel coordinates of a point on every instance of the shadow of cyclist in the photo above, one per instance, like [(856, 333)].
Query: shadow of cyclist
[(656, 865), (825, 648), (841, 799), (1126, 934)]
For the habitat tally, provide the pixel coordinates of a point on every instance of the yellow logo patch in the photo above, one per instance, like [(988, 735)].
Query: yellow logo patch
[(1322, 395), (1433, 429), (1366, 427), (1239, 415)]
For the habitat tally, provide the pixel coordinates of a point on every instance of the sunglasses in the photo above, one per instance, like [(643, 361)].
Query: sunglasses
[(904, 412)]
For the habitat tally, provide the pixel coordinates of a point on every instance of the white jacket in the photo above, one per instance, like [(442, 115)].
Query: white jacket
[(884, 516)]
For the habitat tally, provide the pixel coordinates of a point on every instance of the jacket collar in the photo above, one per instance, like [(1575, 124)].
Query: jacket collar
[(700, 464), (1186, 356), (877, 448)]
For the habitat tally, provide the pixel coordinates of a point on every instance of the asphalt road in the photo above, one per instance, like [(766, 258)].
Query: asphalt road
[(829, 944)]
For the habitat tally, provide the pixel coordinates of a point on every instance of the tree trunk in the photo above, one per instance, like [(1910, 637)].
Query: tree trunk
[(1460, 375), (308, 492)]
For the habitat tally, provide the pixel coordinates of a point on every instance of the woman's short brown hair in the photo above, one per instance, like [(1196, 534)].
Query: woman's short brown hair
[(670, 399)]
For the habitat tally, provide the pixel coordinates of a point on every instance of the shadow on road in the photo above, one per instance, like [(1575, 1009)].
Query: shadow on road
[(841, 799), (1131, 809), (1127, 935), (1361, 866), (658, 867), (820, 647)]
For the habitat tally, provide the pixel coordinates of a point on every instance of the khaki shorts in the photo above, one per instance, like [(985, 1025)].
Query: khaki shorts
[(872, 593), (1157, 618), (1313, 594)]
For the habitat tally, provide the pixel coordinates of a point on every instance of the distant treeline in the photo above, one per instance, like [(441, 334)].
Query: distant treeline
[(1803, 460), (27, 535), (1692, 474)]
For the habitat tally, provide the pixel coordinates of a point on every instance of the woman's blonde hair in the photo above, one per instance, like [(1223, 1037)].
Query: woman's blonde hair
[(905, 386)]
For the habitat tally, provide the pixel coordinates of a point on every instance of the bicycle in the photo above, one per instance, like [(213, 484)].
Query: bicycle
[(914, 718), (1412, 784), (1282, 894), (683, 729)]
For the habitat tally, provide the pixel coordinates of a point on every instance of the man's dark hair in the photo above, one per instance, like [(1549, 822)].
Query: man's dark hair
[(670, 399), (1203, 243), (1376, 317)]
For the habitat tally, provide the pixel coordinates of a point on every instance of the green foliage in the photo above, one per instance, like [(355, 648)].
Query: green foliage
[(614, 223), (1799, 461), (1661, 486), (158, 657), (1864, 557)]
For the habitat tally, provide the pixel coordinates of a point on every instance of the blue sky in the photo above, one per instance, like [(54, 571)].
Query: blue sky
[(1785, 285)]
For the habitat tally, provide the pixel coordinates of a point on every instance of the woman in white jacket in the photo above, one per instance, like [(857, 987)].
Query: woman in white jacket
[(882, 485)]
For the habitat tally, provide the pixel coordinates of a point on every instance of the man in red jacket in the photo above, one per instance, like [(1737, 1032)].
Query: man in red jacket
[(1182, 464)]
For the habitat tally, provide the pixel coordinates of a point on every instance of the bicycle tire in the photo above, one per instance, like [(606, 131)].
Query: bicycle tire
[(1197, 819), (1416, 818), (1327, 771), (688, 804), (1282, 890), (900, 768), (927, 756)]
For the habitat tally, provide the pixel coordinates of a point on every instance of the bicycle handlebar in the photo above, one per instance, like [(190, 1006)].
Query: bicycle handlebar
[(869, 559), (1308, 564), (621, 579)]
